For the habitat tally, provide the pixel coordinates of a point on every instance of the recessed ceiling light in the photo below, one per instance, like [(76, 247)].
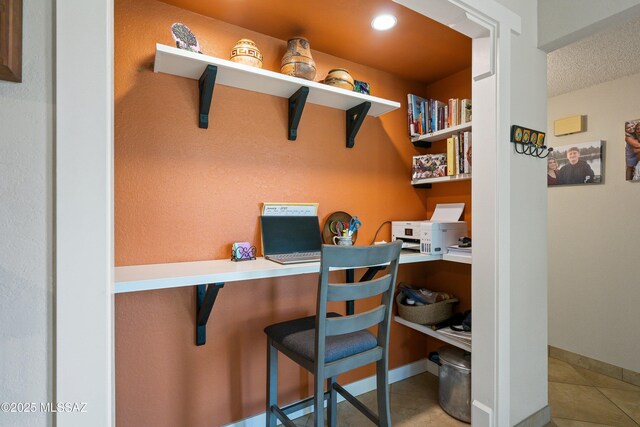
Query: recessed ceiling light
[(384, 22)]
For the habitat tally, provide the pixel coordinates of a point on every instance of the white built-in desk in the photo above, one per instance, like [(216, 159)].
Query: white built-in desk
[(210, 277), (174, 275)]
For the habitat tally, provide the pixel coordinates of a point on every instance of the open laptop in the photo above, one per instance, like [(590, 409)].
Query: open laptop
[(291, 239)]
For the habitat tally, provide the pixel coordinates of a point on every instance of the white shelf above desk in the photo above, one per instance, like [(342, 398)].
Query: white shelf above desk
[(428, 331), (192, 65)]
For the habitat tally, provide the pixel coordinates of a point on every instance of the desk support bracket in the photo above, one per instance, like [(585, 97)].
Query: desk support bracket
[(296, 105), (368, 275), (421, 185), (205, 85), (355, 117), (205, 297)]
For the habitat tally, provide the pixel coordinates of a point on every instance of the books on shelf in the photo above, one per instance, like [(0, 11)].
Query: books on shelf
[(431, 115), (465, 111), (459, 153), (456, 161)]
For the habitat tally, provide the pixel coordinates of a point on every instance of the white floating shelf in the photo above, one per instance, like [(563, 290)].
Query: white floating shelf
[(441, 134), (428, 331), (464, 259), (179, 62), (419, 182)]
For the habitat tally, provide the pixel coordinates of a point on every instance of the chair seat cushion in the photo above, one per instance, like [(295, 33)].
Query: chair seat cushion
[(299, 336)]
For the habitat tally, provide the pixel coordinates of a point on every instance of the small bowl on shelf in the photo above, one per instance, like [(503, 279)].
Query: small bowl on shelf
[(339, 77)]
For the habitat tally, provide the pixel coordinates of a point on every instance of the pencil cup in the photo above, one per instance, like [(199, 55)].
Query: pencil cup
[(342, 240)]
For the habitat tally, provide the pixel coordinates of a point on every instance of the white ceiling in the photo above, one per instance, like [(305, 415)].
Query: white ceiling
[(604, 56)]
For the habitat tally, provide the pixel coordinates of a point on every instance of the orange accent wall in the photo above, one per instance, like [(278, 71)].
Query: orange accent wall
[(185, 194)]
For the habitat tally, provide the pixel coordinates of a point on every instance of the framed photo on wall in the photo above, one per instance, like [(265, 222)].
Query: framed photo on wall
[(632, 149), (577, 164), (11, 40)]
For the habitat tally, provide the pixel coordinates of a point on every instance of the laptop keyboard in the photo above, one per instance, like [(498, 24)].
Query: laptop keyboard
[(296, 257)]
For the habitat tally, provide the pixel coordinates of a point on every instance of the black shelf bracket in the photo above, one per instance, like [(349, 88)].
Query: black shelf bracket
[(422, 144), (205, 297), (368, 275), (355, 117), (205, 85), (296, 105), (422, 185)]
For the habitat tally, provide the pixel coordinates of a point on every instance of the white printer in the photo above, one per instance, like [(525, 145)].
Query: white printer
[(433, 236)]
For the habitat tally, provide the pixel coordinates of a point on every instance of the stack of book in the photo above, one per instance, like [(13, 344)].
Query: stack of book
[(459, 154), (430, 115)]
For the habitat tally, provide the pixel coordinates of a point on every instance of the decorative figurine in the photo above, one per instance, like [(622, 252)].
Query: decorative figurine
[(184, 38)]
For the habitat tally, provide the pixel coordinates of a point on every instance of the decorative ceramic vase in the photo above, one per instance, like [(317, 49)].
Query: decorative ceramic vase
[(246, 52), (297, 60), (339, 77)]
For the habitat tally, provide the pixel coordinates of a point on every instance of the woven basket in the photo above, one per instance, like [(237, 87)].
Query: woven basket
[(428, 314)]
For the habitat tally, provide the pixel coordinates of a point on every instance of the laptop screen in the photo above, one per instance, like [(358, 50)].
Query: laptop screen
[(287, 234)]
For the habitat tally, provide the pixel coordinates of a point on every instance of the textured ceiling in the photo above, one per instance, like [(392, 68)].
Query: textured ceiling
[(602, 57)]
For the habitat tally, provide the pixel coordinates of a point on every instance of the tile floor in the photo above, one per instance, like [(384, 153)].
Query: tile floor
[(582, 398), (577, 397)]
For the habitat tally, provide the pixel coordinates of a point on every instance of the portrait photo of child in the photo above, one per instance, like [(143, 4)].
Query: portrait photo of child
[(575, 164)]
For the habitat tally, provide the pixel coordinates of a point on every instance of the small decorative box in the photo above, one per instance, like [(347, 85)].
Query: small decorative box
[(362, 87), (243, 251)]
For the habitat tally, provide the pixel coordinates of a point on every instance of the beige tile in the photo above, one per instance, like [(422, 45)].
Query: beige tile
[(420, 410), (563, 372), (586, 362), (599, 380), (628, 401), (348, 416), (631, 377), (424, 386), (412, 405), (422, 419), (303, 421), (560, 422), (583, 403)]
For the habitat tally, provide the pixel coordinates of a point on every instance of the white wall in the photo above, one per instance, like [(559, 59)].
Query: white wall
[(527, 237), (562, 22), (84, 363), (594, 286), (26, 144)]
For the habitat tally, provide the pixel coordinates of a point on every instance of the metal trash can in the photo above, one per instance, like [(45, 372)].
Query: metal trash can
[(455, 382)]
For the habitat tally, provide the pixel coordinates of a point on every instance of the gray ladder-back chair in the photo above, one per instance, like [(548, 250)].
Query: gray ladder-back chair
[(329, 344)]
